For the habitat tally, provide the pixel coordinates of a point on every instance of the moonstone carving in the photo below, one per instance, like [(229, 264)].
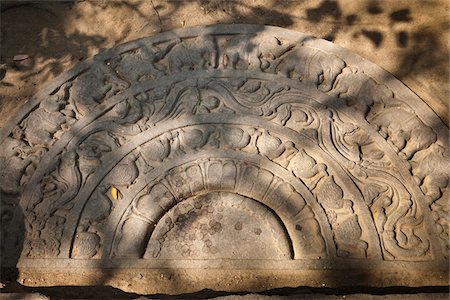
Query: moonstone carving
[(226, 144)]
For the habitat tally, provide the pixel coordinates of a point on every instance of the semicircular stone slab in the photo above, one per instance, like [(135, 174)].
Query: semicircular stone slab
[(231, 149)]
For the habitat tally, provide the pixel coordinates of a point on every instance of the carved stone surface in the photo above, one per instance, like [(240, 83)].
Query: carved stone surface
[(211, 146)]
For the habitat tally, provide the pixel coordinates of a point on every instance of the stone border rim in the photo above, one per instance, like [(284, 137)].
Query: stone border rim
[(265, 30)]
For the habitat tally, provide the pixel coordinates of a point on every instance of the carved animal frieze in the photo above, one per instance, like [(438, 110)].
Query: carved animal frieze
[(403, 130), (311, 66), (196, 53), (361, 92), (227, 143), (93, 86), (252, 52), (142, 63)]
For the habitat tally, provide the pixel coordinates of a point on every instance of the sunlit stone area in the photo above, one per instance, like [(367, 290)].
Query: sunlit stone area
[(227, 157)]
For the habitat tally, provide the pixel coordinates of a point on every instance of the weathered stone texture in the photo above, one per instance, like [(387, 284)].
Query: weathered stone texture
[(207, 147)]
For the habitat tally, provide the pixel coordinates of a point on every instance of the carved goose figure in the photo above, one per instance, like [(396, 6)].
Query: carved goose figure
[(195, 138), (156, 150), (125, 173), (269, 145), (235, 138)]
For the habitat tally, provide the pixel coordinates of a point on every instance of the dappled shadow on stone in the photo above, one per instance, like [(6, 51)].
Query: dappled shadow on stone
[(223, 114), (119, 175)]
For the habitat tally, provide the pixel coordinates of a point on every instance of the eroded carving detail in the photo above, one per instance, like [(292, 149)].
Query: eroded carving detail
[(200, 228), (52, 204), (356, 144), (430, 170), (93, 87), (227, 176), (341, 215)]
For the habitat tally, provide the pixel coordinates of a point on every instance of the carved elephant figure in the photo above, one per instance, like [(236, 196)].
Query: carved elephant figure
[(40, 126), (430, 168), (404, 130), (91, 87), (195, 53), (360, 91), (133, 66), (251, 52), (142, 62), (311, 66), (12, 167)]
